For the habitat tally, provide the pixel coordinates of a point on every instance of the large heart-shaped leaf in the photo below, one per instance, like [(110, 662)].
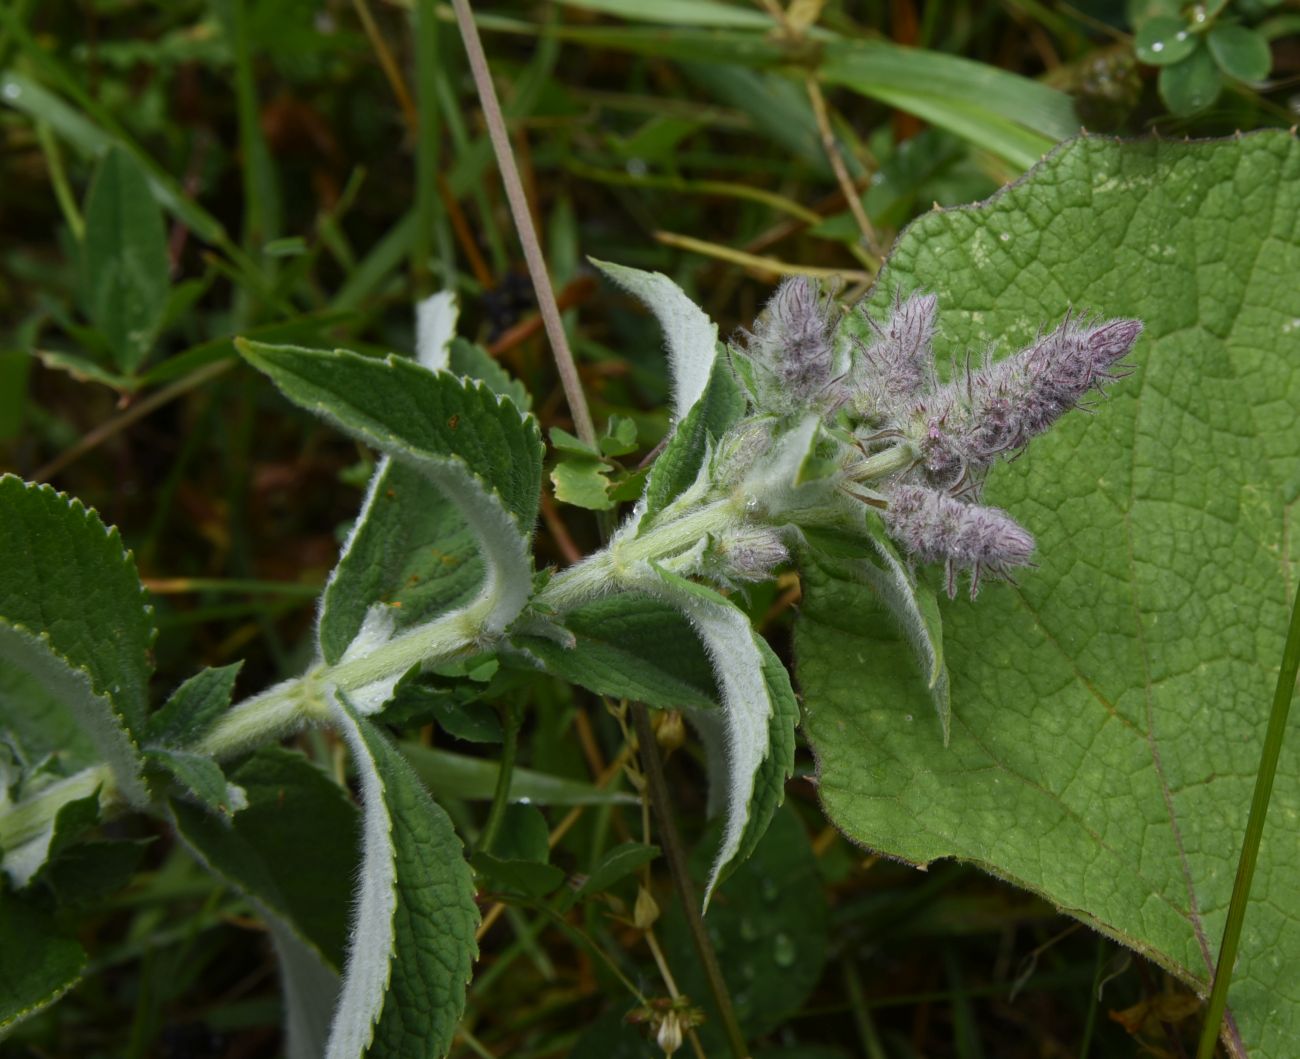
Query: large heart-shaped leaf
[(1107, 713)]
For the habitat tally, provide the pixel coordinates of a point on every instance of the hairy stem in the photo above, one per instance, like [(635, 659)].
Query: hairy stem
[(657, 789)]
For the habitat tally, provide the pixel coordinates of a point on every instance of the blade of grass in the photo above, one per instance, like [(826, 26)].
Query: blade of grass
[(430, 226), (1272, 750), (59, 181), (765, 267)]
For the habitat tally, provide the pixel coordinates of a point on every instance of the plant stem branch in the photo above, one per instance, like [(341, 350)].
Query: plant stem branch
[(657, 787), (496, 125), (1273, 736), (505, 773)]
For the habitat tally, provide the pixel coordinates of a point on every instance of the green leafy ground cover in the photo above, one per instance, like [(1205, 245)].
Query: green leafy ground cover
[(175, 177)]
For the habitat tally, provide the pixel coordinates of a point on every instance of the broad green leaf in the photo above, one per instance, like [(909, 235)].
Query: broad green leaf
[(474, 446), (32, 858), (458, 776), (691, 337), (511, 875), (769, 923), (193, 707), (292, 850), (38, 962), (745, 705), (676, 468), (413, 933), (74, 626), (309, 989), (630, 646), (125, 266), (1107, 713)]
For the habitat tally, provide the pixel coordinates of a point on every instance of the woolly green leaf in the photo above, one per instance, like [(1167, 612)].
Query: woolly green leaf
[(676, 468), (74, 629), (38, 963), (691, 337), (630, 646), (1107, 714), (476, 448), (201, 777), (746, 708), (413, 934)]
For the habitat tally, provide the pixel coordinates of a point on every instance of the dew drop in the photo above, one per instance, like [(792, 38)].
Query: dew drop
[(783, 950), (908, 718), (1158, 45), (1005, 237), (12, 91)]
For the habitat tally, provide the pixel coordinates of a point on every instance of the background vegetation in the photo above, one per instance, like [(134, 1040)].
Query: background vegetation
[(326, 165)]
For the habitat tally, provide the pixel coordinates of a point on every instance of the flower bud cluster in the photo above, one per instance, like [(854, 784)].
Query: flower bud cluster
[(920, 448)]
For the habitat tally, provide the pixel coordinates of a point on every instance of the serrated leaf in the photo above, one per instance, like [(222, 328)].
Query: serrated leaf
[(691, 337), (193, 707), (309, 989), (630, 646), (1108, 712), (38, 962), (745, 702), (201, 777), (413, 936), (676, 468), (472, 360), (66, 577), (475, 447), (125, 268), (292, 850), (620, 437), (451, 775)]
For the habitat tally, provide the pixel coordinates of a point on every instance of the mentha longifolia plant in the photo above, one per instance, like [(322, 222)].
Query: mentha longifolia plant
[(821, 430)]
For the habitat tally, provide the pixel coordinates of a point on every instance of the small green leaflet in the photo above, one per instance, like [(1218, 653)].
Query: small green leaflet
[(193, 707), (412, 941)]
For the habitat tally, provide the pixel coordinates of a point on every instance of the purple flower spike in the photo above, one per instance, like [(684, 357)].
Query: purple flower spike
[(793, 339), (899, 364), (997, 409), (935, 527)]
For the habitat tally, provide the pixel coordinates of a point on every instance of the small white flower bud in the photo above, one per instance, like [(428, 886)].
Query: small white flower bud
[(645, 911), (669, 1037)]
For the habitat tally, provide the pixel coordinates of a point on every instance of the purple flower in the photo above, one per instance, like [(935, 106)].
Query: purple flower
[(793, 339), (899, 363), (995, 410), (935, 527)]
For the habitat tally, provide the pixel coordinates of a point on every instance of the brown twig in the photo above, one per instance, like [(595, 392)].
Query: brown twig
[(496, 126)]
